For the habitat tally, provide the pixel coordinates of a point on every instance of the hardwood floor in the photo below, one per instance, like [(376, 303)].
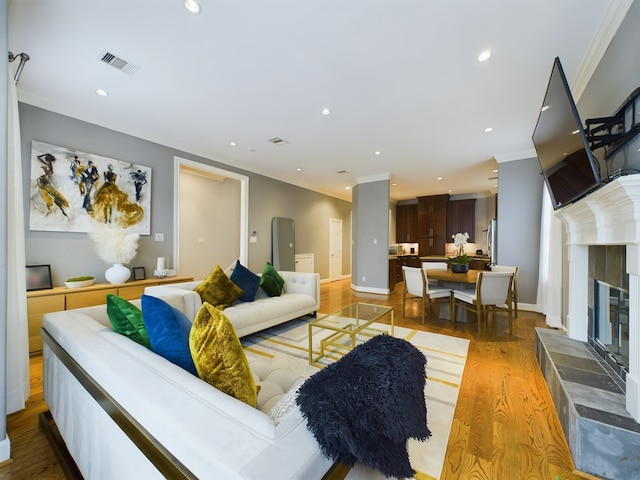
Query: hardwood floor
[(505, 425)]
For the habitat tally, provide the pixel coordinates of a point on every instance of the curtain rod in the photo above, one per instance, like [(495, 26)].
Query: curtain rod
[(23, 59)]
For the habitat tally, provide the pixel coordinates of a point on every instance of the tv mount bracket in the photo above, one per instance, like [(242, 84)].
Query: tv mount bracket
[(614, 132)]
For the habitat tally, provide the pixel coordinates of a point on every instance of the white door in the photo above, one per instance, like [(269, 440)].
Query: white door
[(335, 249)]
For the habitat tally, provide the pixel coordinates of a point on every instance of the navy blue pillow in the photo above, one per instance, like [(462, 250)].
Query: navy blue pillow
[(168, 329), (246, 280)]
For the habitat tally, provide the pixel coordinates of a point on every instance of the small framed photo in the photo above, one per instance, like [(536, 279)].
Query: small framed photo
[(138, 273), (38, 277)]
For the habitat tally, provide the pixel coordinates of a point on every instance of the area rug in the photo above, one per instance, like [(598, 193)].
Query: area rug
[(287, 346)]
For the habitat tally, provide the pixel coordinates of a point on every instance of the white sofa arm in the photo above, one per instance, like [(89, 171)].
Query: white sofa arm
[(303, 282)]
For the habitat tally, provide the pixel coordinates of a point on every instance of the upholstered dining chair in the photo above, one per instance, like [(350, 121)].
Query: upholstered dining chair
[(416, 287), (426, 266), (492, 289), (514, 287)]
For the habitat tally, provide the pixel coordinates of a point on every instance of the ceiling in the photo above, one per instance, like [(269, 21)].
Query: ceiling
[(400, 78)]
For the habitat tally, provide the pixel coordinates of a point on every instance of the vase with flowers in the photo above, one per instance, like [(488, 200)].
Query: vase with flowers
[(460, 263), (117, 247)]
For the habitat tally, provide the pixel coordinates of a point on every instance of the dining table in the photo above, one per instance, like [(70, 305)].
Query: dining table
[(459, 281)]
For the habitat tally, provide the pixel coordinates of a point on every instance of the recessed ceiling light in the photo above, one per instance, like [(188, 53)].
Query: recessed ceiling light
[(347, 187), (484, 56), (546, 107), (439, 178), (233, 144), (488, 129), (298, 169), (192, 6), (377, 152), (575, 131), (326, 111), (394, 184), (101, 92), (495, 170)]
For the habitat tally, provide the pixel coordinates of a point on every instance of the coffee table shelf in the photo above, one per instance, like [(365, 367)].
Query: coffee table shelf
[(347, 328)]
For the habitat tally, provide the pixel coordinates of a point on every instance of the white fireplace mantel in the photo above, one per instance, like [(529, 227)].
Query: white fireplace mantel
[(608, 216)]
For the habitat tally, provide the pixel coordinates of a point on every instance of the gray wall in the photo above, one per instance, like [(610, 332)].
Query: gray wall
[(71, 254), (371, 236), (519, 210)]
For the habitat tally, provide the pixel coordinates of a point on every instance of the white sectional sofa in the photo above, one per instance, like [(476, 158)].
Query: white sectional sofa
[(125, 412), (300, 296)]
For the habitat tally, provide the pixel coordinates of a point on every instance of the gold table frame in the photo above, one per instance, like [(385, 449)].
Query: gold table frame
[(347, 322)]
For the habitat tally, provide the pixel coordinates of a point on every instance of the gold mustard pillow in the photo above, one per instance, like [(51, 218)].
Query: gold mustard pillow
[(218, 355), (218, 289)]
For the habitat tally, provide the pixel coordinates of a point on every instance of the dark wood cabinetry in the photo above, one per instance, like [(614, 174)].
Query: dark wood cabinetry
[(409, 261), (407, 223), (432, 224), (461, 217)]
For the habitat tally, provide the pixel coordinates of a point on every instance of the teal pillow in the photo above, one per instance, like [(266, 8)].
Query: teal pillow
[(126, 319), (168, 330), (246, 280), (271, 281)]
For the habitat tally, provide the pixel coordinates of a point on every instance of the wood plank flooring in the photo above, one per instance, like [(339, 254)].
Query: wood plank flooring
[(505, 425)]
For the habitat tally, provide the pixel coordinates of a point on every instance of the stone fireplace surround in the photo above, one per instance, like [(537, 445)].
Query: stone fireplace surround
[(608, 216), (598, 412)]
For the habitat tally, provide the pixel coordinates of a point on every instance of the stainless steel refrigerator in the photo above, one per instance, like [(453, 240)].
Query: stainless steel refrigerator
[(492, 241)]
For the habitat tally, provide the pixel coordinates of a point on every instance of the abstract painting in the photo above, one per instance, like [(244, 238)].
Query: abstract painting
[(71, 190)]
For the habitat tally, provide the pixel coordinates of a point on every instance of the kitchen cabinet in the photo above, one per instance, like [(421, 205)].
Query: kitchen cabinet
[(57, 299), (409, 261), (461, 217), (407, 223), (432, 224), (392, 274)]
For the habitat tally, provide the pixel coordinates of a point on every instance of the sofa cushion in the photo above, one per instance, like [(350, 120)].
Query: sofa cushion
[(218, 290), (126, 319), (168, 330), (271, 281), (247, 281), (218, 355)]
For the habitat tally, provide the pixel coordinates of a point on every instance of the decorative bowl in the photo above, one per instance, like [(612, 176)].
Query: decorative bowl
[(79, 283)]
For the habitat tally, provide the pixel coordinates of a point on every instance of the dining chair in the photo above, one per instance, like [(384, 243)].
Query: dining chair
[(492, 289), (514, 287), (416, 287), (433, 265)]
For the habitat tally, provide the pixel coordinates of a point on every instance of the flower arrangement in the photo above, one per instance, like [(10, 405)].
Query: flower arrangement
[(460, 240), (114, 244)]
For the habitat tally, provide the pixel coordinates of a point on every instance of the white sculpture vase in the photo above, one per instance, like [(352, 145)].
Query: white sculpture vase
[(117, 274)]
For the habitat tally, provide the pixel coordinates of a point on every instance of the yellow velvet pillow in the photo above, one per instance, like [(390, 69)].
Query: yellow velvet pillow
[(218, 355), (218, 289)]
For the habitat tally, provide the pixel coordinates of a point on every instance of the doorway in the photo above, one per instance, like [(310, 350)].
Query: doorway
[(335, 249)]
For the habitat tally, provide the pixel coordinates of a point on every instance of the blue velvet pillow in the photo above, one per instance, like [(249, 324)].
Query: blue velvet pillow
[(168, 329), (247, 281)]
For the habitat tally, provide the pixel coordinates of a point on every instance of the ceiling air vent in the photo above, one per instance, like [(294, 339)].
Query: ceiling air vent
[(278, 141), (118, 62)]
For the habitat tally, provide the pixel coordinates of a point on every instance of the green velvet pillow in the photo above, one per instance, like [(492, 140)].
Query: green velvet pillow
[(218, 355), (218, 290), (126, 319), (271, 281)]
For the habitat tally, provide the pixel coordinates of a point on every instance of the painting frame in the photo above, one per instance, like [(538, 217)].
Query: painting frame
[(72, 191), (38, 277)]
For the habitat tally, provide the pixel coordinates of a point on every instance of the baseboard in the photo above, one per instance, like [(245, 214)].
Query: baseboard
[(5, 449), (68, 465), (380, 291)]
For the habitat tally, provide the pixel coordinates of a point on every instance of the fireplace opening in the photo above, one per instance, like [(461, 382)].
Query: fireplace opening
[(609, 305)]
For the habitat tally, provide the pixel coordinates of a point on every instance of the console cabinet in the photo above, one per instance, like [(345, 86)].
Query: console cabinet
[(56, 299), (432, 224)]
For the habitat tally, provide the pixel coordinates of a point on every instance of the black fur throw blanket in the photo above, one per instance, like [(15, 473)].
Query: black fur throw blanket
[(364, 407)]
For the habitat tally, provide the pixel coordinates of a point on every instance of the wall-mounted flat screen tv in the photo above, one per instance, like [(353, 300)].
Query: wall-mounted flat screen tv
[(569, 168)]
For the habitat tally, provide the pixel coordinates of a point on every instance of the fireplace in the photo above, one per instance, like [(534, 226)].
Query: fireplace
[(609, 303), (608, 217)]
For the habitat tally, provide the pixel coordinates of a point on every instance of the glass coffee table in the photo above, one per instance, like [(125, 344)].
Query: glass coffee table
[(347, 328)]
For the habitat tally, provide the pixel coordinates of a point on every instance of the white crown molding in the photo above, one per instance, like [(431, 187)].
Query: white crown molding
[(610, 23)]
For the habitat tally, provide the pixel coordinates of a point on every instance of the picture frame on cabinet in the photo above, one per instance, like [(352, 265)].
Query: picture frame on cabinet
[(138, 273), (38, 277)]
